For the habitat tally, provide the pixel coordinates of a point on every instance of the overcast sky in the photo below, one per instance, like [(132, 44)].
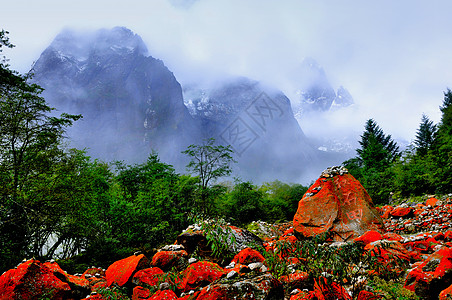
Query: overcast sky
[(395, 57)]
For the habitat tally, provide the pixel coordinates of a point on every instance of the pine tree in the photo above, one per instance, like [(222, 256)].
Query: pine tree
[(424, 135), (377, 149), (442, 147)]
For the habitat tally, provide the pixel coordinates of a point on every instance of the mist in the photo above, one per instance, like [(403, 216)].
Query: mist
[(393, 57)]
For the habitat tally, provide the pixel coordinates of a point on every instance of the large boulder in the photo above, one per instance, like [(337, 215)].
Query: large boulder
[(121, 272), (432, 276), (337, 204), (262, 287), (33, 280), (198, 275)]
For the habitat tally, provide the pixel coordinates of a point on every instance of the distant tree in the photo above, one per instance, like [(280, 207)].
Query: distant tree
[(209, 162), (377, 149), (372, 165), (441, 150), (424, 135)]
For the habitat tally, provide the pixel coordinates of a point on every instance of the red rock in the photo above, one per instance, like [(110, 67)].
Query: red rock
[(448, 235), (389, 254), (199, 274), (295, 280), (366, 295), (260, 287), (403, 212), (391, 236), (140, 293), (93, 272), (75, 282), (439, 236), (446, 294), (164, 295), (432, 276), (122, 271), (385, 211), (190, 297), (288, 231), (166, 260), (149, 276), (248, 256), (32, 280), (432, 202), (304, 295), (369, 237), (341, 207)]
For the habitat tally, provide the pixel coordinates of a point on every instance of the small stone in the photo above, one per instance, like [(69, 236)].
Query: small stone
[(192, 260), (164, 286), (232, 274), (255, 266)]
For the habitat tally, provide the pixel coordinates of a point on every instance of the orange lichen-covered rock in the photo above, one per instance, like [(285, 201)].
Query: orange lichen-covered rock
[(369, 237), (337, 204), (366, 295), (431, 201), (446, 294), (402, 212), (391, 236), (149, 276), (166, 260), (122, 271), (198, 275), (432, 276), (78, 285), (32, 280), (260, 287), (140, 293), (390, 254), (385, 211), (164, 295), (296, 280), (248, 256)]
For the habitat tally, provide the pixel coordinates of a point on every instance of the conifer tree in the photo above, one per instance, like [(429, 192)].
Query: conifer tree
[(442, 147), (424, 135), (377, 149)]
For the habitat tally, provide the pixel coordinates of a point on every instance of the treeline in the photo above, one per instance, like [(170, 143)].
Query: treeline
[(424, 168)]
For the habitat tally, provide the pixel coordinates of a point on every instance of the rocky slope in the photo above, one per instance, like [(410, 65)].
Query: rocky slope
[(415, 246)]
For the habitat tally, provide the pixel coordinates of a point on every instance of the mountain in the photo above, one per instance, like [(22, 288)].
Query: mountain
[(313, 91), (130, 102), (258, 122)]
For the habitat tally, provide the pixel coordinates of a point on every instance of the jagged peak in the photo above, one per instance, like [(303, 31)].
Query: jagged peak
[(80, 43)]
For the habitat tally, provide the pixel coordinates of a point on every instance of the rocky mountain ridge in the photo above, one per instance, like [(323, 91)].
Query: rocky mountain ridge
[(132, 104)]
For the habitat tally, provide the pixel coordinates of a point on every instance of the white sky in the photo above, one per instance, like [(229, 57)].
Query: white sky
[(395, 57)]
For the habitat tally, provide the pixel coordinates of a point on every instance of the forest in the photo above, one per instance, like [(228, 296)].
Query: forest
[(57, 202)]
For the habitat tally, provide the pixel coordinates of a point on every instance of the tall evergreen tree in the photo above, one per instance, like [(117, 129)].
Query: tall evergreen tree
[(442, 146), (424, 135), (377, 149)]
